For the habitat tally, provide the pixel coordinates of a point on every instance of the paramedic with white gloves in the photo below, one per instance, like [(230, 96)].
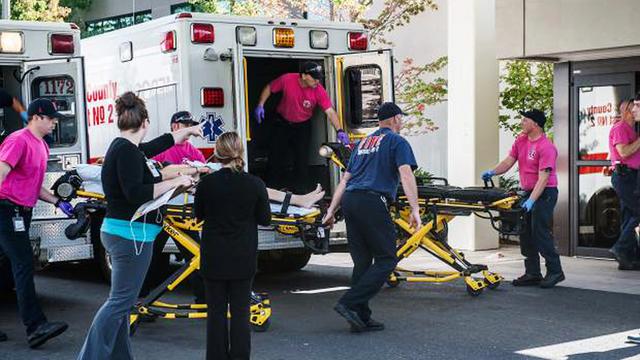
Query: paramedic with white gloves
[(301, 93)]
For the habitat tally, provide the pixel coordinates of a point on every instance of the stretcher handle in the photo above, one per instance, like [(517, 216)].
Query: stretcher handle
[(489, 182), (444, 180)]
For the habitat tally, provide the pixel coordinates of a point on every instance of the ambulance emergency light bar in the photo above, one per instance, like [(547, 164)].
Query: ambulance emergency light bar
[(11, 42), (319, 39)]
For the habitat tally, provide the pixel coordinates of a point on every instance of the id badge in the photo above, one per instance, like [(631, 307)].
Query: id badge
[(18, 224), (154, 172)]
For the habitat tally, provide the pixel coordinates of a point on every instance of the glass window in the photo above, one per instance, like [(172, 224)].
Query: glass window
[(599, 217), (364, 95), (598, 110), (61, 91), (101, 26)]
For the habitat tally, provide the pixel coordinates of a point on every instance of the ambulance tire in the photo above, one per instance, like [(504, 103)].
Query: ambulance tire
[(103, 261), (278, 261)]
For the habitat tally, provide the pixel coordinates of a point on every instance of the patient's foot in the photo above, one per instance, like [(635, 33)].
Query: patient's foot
[(309, 199)]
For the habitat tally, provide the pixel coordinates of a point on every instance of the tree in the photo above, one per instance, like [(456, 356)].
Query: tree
[(527, 85), (39, 10)]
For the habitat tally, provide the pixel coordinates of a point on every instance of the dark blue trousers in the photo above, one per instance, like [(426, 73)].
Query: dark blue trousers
[(625, 185), (537, 238), (372, 245), (17, 247)]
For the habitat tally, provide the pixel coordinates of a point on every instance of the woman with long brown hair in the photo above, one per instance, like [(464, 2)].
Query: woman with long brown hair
[(232, 204)]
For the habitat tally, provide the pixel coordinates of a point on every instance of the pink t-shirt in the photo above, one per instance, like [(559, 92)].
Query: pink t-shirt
[(27, 155), (179, 152), (623, 133), (533, 157), (297, 103)]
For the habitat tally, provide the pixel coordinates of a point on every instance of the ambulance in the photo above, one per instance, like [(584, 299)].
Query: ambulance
[(42, 60), (215, 67)]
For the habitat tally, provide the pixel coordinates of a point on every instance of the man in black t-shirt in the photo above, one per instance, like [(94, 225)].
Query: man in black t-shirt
[(7, 100)]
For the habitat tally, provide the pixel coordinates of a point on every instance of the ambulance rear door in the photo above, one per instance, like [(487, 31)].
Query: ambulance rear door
[(62, 82), (364, 80), (240, 105)]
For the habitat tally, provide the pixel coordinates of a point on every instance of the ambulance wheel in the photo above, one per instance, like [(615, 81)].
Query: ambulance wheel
[(473, 292), (261, 328), (275, 261), (492, 286)]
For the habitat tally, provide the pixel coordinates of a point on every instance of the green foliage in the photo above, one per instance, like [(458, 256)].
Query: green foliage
[(39, 10), (527, 85), (422, 176), (508, 182)]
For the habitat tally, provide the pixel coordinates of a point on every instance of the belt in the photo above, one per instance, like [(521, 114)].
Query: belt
[(9, 203), (370, 192), (624, 169)]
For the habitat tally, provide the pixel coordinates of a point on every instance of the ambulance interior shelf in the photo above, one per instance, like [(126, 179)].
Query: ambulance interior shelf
[(84, 183)]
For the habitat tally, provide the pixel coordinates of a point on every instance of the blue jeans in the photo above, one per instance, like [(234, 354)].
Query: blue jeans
[(108, 337), (625, 185), (17, 247), (537, 238)]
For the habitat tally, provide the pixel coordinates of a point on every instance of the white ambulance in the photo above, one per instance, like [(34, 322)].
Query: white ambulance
[(42, 60), (215, 67)]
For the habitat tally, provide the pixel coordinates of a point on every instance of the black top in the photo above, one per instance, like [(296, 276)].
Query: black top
[(232, 204), (6, 100), (126, 176)]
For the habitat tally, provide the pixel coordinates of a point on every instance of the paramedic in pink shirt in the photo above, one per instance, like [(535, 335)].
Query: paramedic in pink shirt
[(23, 163), (536, 157), (184, 150), (291, 132), (624, 146)]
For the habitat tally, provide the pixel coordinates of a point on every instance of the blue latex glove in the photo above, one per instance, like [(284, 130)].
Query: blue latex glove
[(259, 113), (24, 116), (343, 137), (528, 205), (487, 175), (65, 207)]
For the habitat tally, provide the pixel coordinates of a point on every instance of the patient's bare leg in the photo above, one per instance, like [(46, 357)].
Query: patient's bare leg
[(306, 200)]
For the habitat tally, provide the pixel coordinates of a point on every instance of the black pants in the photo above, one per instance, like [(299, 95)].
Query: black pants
[(289, 140), (16, 247), (228, 338), (157, 267), (372, 238), (625, 184), (537, 238)]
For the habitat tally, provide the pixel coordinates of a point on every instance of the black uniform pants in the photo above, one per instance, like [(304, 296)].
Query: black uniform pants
[(372, 245), (228, 339), (289, 139), (624, 182)]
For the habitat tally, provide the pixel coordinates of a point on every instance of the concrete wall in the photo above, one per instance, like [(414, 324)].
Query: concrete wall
[(424, 40), (560, 28)]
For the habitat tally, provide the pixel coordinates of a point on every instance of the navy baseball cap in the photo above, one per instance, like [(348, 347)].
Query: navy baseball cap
[(536, 115), (388, 110), (43, 107), (312, 69), (183, 117)]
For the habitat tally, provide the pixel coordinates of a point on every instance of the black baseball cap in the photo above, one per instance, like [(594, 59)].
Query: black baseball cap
[(388, 110), (183, 117), (536, 115), (44, 107), (312, 69)]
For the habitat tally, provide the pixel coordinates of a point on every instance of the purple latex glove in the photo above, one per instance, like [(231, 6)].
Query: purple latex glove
[(65, 207), (343, 137), (259, 113)]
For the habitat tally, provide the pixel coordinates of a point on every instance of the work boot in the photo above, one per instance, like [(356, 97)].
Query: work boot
[(45, 332), (527, 280), (371, 325), (634, 339), (550, 280), (3, 336), (624, 263), (357, 325)]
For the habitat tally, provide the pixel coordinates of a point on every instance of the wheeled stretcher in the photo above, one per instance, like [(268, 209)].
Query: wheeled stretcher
[(179, 219), (439, 204)]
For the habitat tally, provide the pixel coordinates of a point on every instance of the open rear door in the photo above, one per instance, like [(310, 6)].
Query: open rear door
[(240, 104), (363, 81)]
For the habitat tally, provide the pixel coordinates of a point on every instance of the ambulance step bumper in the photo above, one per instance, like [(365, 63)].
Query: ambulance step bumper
[(70, 253)]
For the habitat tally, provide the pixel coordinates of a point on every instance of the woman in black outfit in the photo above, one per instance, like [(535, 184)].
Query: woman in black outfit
[(232, 204)]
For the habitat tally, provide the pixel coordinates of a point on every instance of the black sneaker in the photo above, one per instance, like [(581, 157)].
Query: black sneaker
[(357, 325), (371, 325), (624, 263), (3, 336), (45, 332), (527, 280), (551, 280), (634, 339)]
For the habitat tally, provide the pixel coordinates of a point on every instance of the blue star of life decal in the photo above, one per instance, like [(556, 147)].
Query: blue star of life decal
[(212, 126)]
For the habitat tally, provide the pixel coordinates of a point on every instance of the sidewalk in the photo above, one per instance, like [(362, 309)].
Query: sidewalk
[(581, 273)]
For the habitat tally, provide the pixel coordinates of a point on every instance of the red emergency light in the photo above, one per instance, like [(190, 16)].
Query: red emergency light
[(358, 41), (61, 44), (169, 42), (212, 97), (184, 15), (202, 33)]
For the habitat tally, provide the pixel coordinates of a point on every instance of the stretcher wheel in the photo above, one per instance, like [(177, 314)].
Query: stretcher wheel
[(261, 328), (473, 292), (393, 283), (492, 286)]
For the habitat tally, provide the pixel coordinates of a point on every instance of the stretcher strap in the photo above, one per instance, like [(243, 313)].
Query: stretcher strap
[(285, 204)]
